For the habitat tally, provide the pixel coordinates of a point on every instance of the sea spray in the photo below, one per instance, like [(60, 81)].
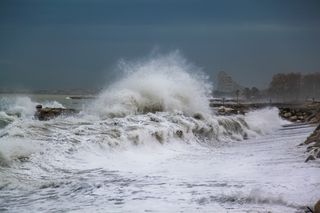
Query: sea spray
[(18, 105), (23, 106), (164, 83), (265, 120)]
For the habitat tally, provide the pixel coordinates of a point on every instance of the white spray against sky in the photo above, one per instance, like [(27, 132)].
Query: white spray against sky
[(162, 83)]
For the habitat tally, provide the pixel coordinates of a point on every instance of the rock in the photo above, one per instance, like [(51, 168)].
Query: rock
[(311, 157), (47, 113), (313, 120), (154, 119), (309, 148), (314, 117), (159, 136), (293, 118), (39, 107), (314, 137), (198, 116), (316, 208), (314, 147), (287, 114), (301, 113), (179, 133), (228, 111), (245, 136)]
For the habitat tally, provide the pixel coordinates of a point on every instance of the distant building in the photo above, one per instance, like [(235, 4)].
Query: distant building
[(225, 83)]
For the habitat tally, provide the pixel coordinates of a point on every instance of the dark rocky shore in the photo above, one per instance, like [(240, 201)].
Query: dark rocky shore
[(303, 113), (308, 113), (313, 142)]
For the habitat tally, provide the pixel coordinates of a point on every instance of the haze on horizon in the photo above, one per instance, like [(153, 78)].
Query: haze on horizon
[(56, 44)]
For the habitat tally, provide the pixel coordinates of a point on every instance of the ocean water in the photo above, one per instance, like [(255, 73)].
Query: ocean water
[(151, 143)]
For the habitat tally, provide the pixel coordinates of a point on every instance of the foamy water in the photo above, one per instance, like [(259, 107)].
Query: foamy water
[(150, 143)]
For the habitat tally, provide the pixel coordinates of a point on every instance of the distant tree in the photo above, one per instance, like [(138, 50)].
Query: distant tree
[(276, 88), (246, 93), (252, 93), (311, 85), (293, 84), (255, 93), (286, 86)]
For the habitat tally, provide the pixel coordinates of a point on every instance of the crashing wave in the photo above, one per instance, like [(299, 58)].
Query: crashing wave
[(163, 84)]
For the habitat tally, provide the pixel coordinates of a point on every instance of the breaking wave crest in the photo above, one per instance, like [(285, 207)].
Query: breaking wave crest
[(166, 83), (67, 137)]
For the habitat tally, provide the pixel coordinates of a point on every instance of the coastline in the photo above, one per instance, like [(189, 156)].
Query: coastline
[(297, 113), (269, 150)]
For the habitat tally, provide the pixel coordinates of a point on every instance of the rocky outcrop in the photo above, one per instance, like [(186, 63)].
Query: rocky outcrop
[(313, 142), (227, 111), (232, 109), (307, 113), (302, 115), (47, 113)]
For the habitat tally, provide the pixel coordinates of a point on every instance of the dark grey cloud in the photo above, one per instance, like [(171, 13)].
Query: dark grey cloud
[(76, 43)]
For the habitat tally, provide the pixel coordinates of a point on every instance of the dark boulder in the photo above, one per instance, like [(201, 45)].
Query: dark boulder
[(310, 157), (47, 113), (304, 114)]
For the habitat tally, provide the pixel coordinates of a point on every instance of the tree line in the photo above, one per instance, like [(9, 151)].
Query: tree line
[(294, 86), (283, 87)]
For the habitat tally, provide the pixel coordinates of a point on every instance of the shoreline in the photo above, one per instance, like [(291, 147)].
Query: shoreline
[(274, 145), (297, 113)]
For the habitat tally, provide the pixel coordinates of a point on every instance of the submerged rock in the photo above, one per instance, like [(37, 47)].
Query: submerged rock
[(179, 133), (311, 157), (47, 113), (198, 116)]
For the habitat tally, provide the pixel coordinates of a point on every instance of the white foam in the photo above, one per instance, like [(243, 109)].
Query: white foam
[(16, 148), (23, 105), (265, 120)]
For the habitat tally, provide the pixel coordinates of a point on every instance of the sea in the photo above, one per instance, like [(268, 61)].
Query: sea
[(149, 142)]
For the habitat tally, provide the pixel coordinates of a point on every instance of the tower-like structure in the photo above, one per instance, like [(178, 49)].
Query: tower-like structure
[(226, 84)]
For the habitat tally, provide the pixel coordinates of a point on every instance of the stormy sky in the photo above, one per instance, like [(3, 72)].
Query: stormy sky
[(63, 44)]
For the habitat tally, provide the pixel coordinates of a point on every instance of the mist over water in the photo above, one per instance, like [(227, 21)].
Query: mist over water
[(150, 142)]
